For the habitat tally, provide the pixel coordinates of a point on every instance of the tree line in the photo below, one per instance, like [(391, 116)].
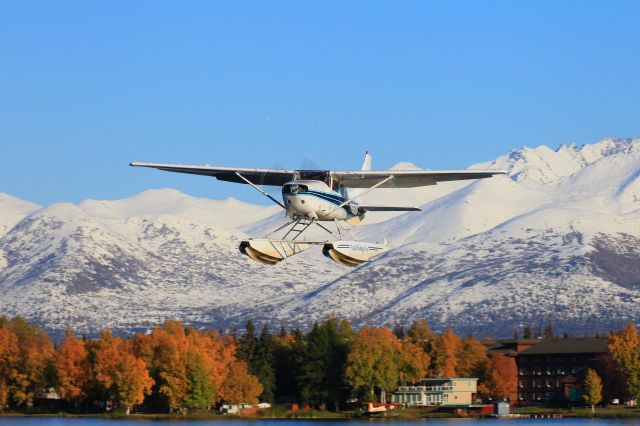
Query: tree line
[(176, 368)]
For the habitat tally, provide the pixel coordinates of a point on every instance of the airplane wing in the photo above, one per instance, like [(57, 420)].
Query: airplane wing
[(349, 179), (408, 178), (228, 174)]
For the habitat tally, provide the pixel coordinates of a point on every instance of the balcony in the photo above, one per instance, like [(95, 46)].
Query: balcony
[(444, 388)]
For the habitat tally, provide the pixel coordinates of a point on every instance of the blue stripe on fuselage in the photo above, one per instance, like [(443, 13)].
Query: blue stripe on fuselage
[(334, 197), (308, 194)]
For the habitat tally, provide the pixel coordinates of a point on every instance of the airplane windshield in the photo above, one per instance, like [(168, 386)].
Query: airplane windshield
[(294, 188)]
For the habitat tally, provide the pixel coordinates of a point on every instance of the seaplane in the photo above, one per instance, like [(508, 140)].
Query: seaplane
[(324, 199)]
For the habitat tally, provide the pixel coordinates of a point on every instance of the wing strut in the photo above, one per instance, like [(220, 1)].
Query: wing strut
[(260, 190), (382, 182)]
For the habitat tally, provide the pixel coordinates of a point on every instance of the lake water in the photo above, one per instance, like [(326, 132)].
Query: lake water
[(26, 421)]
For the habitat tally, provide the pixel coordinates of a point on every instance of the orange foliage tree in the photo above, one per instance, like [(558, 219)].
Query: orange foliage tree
[(420, 334), (123, 375), (501, 378), (240, 386), (472, 359), (190, 366), (72, 368), (624, 348), (9, 358), (446, 350), (36, 355), (414, 362)]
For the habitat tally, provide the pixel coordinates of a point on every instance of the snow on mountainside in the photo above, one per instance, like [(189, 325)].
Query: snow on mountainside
[(558, 239), (13, 211)]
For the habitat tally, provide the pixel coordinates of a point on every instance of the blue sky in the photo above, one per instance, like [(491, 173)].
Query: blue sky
[(87, 87)]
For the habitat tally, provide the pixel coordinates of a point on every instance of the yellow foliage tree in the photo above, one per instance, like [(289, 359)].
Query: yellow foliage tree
[(374, 360), (592, 389)]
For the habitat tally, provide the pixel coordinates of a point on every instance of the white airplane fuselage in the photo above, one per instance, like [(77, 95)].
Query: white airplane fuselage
[(315, 200)]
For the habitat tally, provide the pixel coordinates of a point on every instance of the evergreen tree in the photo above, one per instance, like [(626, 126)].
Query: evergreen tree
[(284, 365), (398, 330), (548, 331), (248, 344), (321, 362), (262, 364), (526, 332)]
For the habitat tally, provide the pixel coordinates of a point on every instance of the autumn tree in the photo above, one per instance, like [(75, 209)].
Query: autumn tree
[(501, 378), (217, 353), (592, 389), (240, 386), (123, 375), (166, 352), (420, 334), (472, 358), (414, 362), (188, 365), (624, 348), (72, 368), (34, 367), (9, 359), (374, 361), (446, 350)]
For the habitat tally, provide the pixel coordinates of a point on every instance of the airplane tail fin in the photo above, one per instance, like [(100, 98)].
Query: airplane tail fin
[(366, 165)]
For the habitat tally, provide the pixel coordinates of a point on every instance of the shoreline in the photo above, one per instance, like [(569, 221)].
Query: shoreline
[(603, 413)]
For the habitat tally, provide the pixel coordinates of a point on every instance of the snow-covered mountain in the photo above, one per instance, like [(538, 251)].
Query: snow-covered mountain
[(12, 211), (558, 239)]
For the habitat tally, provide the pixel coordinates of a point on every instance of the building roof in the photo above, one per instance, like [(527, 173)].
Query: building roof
[(510, 346), (593, 345), (448, 378)]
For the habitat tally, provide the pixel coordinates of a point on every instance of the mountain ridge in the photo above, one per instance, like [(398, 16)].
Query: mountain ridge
[(486, 256)]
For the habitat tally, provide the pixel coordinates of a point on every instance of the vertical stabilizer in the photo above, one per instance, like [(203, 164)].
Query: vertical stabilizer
[(366, 165)]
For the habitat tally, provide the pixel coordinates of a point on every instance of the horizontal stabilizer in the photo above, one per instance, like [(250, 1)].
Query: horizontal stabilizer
[(388, 209)]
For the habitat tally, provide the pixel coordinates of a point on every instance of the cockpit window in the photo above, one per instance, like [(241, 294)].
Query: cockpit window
[(294, 188)]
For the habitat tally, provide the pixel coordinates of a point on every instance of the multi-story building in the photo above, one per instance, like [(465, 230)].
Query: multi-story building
[(553, 370), (438, 392)]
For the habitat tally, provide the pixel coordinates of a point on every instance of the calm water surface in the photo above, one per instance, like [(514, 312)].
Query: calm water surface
[(25, 421)]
